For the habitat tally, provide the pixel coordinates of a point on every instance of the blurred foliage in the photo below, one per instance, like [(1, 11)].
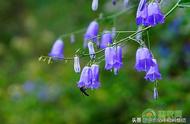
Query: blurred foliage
[(32, 92)]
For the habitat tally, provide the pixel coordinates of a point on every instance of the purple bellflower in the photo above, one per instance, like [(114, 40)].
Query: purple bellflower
[(94, 5), (91, 50), (106, 39), (92, 32), (142, 13), (109, 57), (155, 16), (143, 59), (118, 58), (76, 64), (153, 73), (85, 78), (57, 50), (95, 77)]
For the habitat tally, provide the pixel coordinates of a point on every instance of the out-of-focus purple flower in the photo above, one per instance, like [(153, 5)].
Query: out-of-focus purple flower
[(57, 50), (85, 78), (155, 95), (91, 50), (95, 77), (76, 64), (92, 32), (72, 38), (155, 16), (153, 73), (106, 39), (28, 86), (143, 59), (109, 58), (142, 13), (94, 5), (118, 58), (114, 2)]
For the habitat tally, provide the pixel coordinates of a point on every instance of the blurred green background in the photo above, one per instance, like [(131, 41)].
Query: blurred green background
[(33, 92)]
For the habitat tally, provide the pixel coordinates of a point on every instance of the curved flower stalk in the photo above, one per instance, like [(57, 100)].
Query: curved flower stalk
[(57, 50)]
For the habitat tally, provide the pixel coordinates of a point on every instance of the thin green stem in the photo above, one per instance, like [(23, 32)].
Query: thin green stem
[(173, 8), (184, 6), (148, 39)]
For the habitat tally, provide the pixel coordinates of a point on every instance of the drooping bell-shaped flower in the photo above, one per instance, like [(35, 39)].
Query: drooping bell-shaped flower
[(143, 59), (91, 50), (76, 64), (155, 16), (95, 77), (155, 95), (94, 5), (92, 32), (153, 73), (109, 57), (106, 39), (118, 58), (114, 2), (142, 13), (85, 78), (57, 50)]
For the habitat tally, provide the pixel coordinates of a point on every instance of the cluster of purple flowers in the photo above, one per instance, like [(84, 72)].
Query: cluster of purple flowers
[(149, 14), (113, 56), (145, 62), (89, 77)]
